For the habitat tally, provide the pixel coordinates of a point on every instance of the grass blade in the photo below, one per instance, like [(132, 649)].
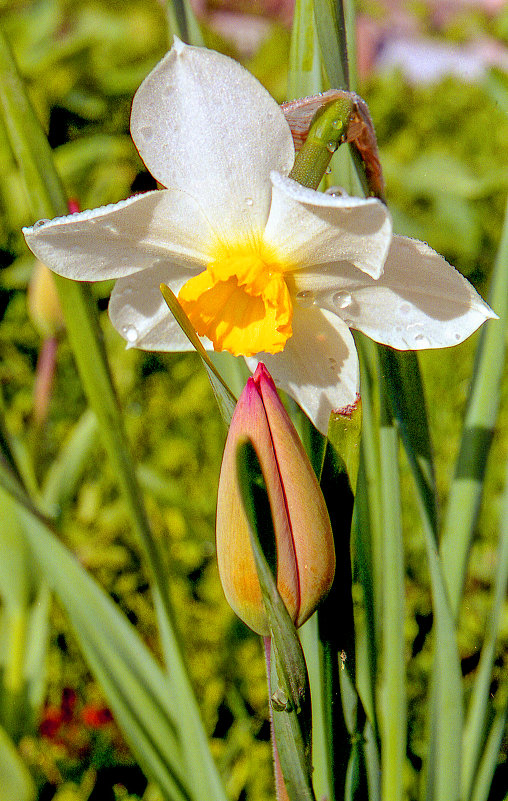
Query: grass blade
[(137, 690), (479, 704), (16, 780), (490, 757), (305, 71), (481, 415), (393, 724), (405, 388), (331, 30)]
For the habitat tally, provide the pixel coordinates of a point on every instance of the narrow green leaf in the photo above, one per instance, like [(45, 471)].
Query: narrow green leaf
[(393, 716), (344, 433), (445, 727), (65, 471), (337, 635), (138, 692), (331, 30), (291, 700), (490, 756), (36, 658), (305, 73), (479, 704), (322, 712), (481, 415), (405, 387), (16, 780), (226, 401), (182, 22), (29, 145)]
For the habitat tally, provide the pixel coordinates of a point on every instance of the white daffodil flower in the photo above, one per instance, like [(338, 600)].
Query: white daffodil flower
[(262, 266)]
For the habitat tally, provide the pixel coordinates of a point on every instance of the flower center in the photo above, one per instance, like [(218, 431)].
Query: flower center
[(241, 301)]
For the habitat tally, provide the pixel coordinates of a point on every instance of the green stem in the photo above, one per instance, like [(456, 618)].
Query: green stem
[(393, 699), (326, 134)]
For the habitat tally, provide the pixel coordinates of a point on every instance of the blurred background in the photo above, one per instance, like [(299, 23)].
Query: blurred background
[(435, 76)]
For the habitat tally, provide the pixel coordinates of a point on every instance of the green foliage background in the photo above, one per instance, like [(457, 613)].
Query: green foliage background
[(443, 150)]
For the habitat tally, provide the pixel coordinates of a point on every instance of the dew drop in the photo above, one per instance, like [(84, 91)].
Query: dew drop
[(336, 191), (332, 147), (249, 201), (458, 337), (422, 340), (131, 333), (305, 297), (328, 170), (342, 300), (147, 133), (40, 223)]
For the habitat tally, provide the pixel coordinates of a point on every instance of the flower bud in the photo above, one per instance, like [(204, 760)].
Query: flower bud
[(303, 535), (43, 303)]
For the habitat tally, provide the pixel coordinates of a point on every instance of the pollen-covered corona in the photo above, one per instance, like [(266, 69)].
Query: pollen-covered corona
[(241, 302)]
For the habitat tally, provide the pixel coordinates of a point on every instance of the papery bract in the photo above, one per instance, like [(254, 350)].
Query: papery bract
[(262, 266), (303, 536)]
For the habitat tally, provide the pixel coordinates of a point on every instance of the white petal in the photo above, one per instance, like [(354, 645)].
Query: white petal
[(123, 238), (310, 227), (419, 302), (203, 123), (318, 367), (140, 314)]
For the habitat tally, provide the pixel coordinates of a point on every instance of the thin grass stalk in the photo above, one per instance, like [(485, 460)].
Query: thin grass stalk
[(393, 722), (479, 710), (305, 75), (490, 756), (331, 30), (182, 22), (481, 415)]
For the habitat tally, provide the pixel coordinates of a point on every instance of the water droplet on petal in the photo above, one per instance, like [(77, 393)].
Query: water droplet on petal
[(249, 201), (336, 191), (40, 223), (305, 297), (147, 133), (422, 340), (458, 337), (342, 300), (130, 333)]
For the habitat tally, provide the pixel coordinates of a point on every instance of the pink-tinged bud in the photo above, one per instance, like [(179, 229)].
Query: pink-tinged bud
[(43, 303), (303, 535)]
